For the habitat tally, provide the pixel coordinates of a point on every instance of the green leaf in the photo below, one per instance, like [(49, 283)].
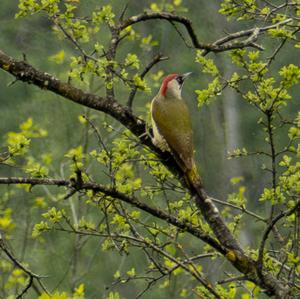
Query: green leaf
[(208, 65), (58, 58)]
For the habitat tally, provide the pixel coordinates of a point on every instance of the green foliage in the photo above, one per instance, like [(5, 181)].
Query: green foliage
[(132, 61), (113, 295), (241, 9), (93, 239), (7, 223), (169, 6), (104, 14), (206, 95), (79, 292), (40, 228), (17, 278), (56, 295), (29, 7), (275, 196), (290, 75), (208, 66), (215, 87), (35, 169), (18, 142), (281, 32)]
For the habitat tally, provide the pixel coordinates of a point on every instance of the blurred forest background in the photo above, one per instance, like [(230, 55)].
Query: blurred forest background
[(227, 123)]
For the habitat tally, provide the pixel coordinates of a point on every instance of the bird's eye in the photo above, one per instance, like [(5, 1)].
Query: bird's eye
[(179, 79)]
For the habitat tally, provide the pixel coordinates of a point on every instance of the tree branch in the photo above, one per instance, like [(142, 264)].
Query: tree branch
[(18, 264), (233, 251), (169, 17), (158, 58), (249, 32), (267, 232), (132, 200), (226, 43)]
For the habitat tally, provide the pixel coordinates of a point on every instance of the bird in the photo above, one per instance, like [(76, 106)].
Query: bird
[(172, 126)]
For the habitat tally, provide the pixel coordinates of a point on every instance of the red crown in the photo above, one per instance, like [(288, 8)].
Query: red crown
[(165, 82)]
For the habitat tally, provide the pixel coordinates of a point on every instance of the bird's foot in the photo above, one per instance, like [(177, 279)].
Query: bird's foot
[(147, 134)]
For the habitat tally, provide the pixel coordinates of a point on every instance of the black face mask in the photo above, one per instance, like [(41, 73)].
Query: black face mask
[(180, 81)]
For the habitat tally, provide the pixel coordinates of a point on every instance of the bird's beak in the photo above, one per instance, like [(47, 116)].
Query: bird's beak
[(184, 76)]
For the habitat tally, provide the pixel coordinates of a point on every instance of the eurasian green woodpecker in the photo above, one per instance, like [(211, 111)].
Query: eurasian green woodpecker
[(172, 126)]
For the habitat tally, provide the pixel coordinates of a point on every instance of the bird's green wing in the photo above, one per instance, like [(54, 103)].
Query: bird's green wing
[(173, 121)]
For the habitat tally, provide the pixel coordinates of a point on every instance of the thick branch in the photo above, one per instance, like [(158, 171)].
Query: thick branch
[(26, 73)]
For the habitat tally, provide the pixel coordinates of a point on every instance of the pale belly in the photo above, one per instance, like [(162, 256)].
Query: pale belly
[(158, 140)]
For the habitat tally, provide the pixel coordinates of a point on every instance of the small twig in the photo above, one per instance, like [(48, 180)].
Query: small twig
[(70, 193), (74, 41), (125, 198), (231, 279), (249, 32), (266, 235), (169, 17), (243, 209), (18, 264), (12, 82), (123, 12), (158, 58), (181, 35), (221, 45), (95, 129), (20, 296)]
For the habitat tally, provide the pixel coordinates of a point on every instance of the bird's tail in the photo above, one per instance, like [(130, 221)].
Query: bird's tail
[(191, 173), (193, 176)]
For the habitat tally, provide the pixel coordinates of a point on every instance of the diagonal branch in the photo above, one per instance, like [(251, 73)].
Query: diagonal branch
[(158, 58), (267, 232), (25, 72), (234, 253), (28, 272), (132, 200)]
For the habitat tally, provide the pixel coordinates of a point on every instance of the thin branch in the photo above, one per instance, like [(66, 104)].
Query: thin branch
[(18, 264), (139, 239), (231, 279), (109, 105), (203, 281), (123, 197), (266, 235), (243, 209), (28, 286), (229, 42), (95, 129), (249, 32), (73, 40), (169, 17), (15, 260), (123, 12), (158, 58)]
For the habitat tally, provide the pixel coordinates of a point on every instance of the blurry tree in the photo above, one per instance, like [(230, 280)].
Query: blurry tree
[(116, 192)]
